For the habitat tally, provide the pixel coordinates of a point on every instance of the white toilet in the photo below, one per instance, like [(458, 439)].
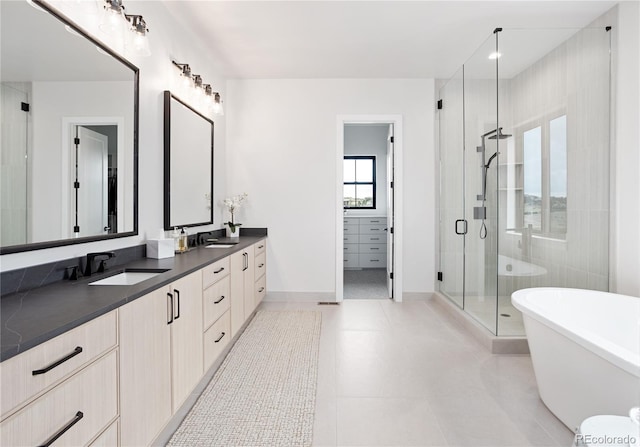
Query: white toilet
[(610, 431)]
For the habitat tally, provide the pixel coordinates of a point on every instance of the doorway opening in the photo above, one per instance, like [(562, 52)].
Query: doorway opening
[(368, 214)]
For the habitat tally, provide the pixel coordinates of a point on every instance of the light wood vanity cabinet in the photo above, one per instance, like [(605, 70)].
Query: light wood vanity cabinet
[(161, 357), (260, 277), (242, 291), (67, 382)]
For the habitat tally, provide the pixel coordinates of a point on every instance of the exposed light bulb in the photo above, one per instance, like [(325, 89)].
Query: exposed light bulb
[(113, 21)]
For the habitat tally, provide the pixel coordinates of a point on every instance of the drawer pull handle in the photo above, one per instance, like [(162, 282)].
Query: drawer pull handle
[(221, 337), (260, 247), (177, 293), (260, 266), (261, 289), (375, 260), (374, 229), (374, 221), (79, 415), (375, 239), (218, 271), (75, 352), (218, 302), (375, 248)]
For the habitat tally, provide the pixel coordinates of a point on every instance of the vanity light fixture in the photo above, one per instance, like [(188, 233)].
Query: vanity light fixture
[(139, 42), (202, 92), (114, 22)]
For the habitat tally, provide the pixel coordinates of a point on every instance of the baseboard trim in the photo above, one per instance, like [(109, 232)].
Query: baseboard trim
[(299, 296), (495, 345), (416, 296)]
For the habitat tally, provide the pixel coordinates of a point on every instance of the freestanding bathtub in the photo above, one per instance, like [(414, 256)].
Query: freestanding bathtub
[(585, 349)]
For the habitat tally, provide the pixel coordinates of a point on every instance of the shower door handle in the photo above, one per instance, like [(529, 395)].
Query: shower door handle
[(464, 227)]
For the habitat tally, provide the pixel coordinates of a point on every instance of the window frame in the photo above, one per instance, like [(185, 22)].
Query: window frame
[(544, 122), (373, 182)]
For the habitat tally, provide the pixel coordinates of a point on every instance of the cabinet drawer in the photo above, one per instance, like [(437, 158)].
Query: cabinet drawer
[(350, 229), (350, 238), (382, 220), (373, 238), (108, 438), (373, 248), (373, 260), (90, 398), (18, 384), (261, 265), (261, 289), (216, 339), (372, 228), (217, 300), (351, 260), (351, 221), (260, 247), (214, 272), (350, 248)]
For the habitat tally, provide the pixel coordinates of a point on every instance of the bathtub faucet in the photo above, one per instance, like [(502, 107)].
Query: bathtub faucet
[(524, 243)]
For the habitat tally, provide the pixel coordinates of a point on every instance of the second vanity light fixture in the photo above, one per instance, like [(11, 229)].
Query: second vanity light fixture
[(210, 99), (114, 21)]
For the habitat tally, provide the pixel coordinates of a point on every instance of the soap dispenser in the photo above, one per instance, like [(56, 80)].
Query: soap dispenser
[(183, 240)]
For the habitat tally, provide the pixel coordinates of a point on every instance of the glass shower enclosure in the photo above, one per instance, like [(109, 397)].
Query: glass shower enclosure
[(523, 138)]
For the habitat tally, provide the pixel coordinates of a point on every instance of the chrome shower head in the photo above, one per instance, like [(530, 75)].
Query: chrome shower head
[(499, 135)]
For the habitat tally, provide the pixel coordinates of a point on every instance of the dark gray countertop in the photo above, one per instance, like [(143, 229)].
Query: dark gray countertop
[(32, 317)]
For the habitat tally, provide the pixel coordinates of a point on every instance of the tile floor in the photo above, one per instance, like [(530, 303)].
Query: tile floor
[(365, 284), (405, 374)]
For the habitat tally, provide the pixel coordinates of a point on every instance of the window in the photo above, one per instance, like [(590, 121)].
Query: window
[(544, 157), (359, 182)]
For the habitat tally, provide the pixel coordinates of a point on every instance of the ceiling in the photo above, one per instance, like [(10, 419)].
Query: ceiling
[(367, 39)]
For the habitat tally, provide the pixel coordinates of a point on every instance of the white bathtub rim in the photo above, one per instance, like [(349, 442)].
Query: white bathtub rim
[(617, 355)]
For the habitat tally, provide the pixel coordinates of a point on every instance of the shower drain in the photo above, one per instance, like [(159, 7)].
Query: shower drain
[(505, 315)]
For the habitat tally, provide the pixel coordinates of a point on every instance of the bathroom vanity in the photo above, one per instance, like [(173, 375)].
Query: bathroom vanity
[(110, 365)]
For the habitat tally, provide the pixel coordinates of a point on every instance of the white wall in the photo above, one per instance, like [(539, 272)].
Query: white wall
[(169, 40), (281, 151), (626, 187), (370, 139)]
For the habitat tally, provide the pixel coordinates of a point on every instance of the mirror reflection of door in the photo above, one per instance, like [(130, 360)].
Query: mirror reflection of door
[(94, 172)]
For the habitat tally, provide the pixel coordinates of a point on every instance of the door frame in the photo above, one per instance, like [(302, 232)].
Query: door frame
[(396, 120)]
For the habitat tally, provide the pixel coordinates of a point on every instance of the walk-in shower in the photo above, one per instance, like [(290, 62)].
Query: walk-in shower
[(529, 206)]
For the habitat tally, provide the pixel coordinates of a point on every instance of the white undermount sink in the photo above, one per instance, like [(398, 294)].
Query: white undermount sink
[(128, 277), (219, 246)]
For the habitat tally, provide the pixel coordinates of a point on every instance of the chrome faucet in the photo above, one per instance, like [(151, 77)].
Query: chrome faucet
[(90, 258), (524, 243)]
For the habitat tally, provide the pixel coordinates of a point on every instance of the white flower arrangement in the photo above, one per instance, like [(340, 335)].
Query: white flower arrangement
[(232, 204)]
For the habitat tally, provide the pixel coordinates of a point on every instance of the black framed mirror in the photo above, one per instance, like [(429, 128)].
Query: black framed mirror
[(70, 133), (188, 165)]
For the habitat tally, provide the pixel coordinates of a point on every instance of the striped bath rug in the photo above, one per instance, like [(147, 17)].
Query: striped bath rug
[(264, 392)]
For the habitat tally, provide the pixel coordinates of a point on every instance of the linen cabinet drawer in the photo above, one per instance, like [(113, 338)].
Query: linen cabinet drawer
[(373, 220), (215, 272), (350, 238), (261, 265), (372, 238), (216, 338), (373, 248), (217, 301), (84, 404), (351, 260), (28, 374), (372, 228), (350, 229), (350, 248), (373, 260), (261, 247), (261, 289)]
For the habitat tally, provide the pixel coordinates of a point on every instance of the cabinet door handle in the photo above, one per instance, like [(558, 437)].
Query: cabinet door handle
[(177, 292), (221, 337), (79, 415), (260, 247), (260, 289), (221, 298), (215, 272), (75, 352), (260, 266), (245, 261), (170, 308)]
